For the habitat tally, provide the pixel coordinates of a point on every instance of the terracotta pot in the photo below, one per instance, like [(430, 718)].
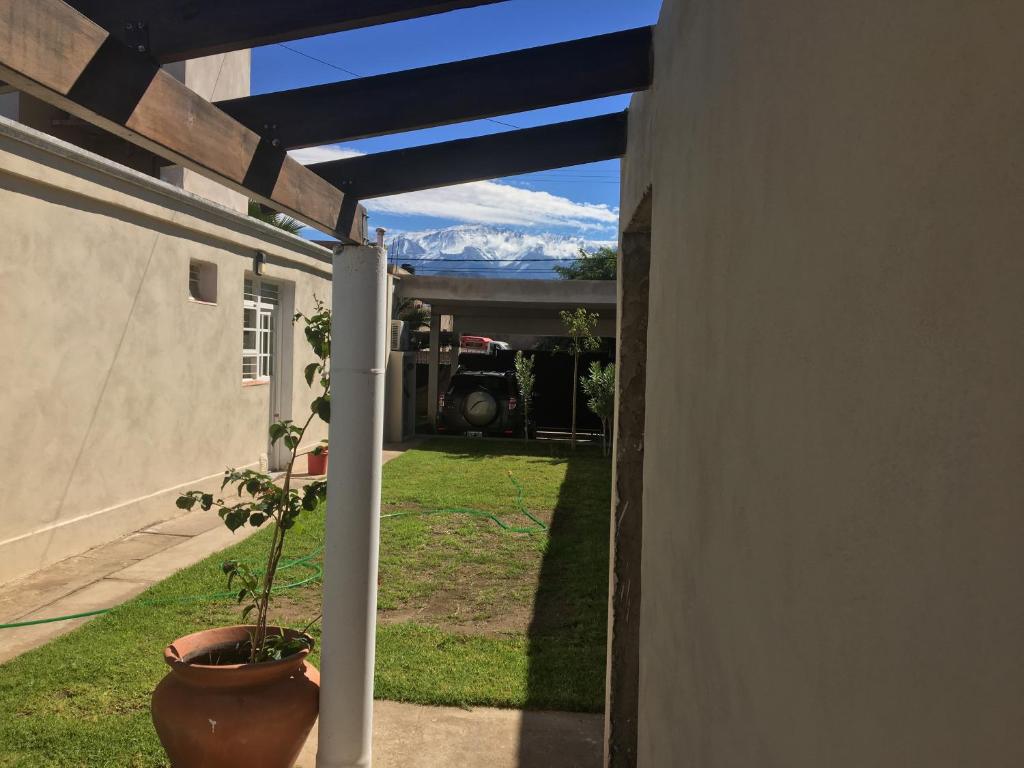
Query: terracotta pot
[(234, 715), (316, 463)]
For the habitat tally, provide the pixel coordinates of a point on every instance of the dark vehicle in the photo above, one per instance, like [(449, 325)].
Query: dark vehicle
[(481, 403)]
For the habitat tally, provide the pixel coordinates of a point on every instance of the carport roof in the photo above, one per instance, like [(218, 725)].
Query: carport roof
[(476, 296)]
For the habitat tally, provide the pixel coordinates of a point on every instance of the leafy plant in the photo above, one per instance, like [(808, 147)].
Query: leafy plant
[(415, 313), (599, 387), (526, 379), (273, 504), (273, 218), (602, 264), (580, 325), (320, 449)]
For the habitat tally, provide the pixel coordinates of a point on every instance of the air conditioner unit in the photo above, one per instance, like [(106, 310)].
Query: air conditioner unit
[(399, 335)]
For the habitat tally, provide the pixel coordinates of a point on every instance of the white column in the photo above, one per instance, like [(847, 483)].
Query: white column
[(353, 508), (435, 363)]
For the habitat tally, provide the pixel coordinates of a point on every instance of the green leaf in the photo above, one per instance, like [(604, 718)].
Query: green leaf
[(207, 501), (235, 519), (185, 502), (310, 372), (248, 609), (253, 484), (291, 441), (256, 519), (322, 407)]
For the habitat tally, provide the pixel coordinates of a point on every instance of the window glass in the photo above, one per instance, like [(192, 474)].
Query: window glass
[(259, 305)]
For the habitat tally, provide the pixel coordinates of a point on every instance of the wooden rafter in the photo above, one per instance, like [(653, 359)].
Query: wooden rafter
[(173, 30), (52, 51), (579, 70), (486, 157)]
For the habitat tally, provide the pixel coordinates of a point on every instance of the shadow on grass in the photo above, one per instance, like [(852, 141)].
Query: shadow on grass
[(567, 634)]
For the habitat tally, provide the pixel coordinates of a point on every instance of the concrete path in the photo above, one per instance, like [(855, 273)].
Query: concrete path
[(412, 736), (112, 573)]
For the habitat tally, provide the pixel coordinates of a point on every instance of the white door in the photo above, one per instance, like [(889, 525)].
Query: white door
[(262, 352)]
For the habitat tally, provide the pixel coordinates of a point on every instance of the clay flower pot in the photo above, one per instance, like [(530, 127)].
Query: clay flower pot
[(317, 463), (233, 715)]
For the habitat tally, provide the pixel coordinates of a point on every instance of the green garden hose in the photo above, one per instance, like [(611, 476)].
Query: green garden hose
[(317, 568), (318, 572), (520, 507)]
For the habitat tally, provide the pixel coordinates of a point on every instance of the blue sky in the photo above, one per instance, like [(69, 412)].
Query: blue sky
[(578, 200)]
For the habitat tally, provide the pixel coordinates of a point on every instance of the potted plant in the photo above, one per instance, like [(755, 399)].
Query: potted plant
[(245, 695), (316, 460)]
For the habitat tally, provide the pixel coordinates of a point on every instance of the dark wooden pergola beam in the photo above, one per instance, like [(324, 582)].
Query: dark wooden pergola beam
[(485, 157), (52, 51), (173, 30), (591, 68)]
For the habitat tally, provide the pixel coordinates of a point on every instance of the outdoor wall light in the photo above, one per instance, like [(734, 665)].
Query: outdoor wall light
[(259, 260)]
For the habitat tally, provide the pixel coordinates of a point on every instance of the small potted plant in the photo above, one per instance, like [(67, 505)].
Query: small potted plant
[(316, 460), (245, 695)]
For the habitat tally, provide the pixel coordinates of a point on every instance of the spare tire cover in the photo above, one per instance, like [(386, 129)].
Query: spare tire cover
[(479, 408)]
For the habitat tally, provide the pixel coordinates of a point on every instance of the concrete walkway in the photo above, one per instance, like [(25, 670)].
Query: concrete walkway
[(110, 574), (412, 736)]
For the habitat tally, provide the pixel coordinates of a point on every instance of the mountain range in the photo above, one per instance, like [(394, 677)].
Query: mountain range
[(476, 250)]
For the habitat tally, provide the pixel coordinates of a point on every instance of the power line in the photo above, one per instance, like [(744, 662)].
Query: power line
[(319, 60), (356, 74), (499, 260)]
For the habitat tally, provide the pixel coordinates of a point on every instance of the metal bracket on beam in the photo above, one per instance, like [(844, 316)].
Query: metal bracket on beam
[(136, 35), (270, 133)]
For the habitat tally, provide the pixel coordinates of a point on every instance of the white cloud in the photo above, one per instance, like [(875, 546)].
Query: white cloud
[(491, 202), (323, 154)]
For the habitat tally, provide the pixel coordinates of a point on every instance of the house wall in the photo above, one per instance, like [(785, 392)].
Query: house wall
[(118, 390), (833, 479)]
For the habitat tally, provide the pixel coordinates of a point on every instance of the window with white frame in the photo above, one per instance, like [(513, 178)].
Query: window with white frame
[(259, 319)]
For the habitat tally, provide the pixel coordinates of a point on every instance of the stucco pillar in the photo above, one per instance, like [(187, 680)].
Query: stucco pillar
[(353, 508), (435, 364), (622, 687)]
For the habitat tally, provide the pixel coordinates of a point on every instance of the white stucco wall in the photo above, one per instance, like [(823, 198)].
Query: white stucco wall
[(834, 466), (117, 389)]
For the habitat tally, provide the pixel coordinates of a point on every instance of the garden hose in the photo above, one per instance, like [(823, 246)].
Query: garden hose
[(305, 560), (318, 572), (520, 507)]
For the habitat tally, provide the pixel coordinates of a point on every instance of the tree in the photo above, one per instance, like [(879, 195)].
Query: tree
[(273, 218), (525, 379), (579, 327), (599, 387), (599, 265), (415, 313)]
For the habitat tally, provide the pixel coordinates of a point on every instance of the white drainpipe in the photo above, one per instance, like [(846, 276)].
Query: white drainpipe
[(353, 508)]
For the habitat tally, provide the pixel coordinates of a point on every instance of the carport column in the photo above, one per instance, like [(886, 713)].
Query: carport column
[(356, 432), (435, 363)]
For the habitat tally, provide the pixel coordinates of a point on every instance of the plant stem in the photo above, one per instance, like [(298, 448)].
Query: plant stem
[(575, 386), (277, 545)]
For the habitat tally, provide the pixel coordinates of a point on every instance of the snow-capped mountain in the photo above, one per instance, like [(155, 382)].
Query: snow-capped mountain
[(484, 251)]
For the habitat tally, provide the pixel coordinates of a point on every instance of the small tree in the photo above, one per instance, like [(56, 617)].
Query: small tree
[(599, 387), (415, 313), (579, 327), (525, 379), (599, 265), (270, 503)]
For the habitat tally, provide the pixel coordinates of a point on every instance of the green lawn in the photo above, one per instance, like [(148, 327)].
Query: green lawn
[(470, 613)]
